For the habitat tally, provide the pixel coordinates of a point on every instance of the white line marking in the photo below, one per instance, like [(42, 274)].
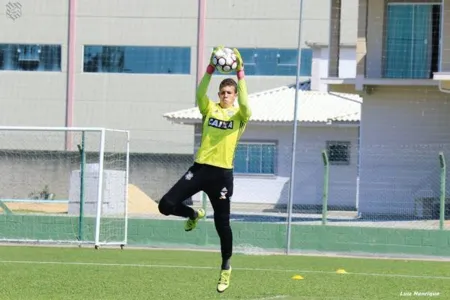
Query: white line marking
[(272, 297), (267, 298), (312, 298), (304, 297), (212, 268)]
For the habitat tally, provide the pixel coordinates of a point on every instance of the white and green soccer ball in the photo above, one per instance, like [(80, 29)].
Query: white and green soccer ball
[(224, 60)]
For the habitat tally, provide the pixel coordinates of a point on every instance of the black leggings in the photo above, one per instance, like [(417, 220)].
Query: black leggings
[(217, 183)]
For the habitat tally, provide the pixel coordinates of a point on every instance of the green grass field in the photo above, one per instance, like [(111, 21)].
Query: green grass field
[(85, 273)]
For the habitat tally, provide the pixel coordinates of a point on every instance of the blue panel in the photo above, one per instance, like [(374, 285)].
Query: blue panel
[(422, 41), (240, 159), (249, 57), (287, 62), (30, 57), (266, 62), (268, 159), (275, 62), (255, 158), (306, 62), (137, 59), (399, 41), (407, 46)]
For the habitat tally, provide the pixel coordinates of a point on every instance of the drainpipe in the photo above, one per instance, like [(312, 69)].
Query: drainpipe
[(200, 39), (71, 60)]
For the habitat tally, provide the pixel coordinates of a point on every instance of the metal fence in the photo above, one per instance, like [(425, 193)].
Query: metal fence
[(342, 193), (399, 190)]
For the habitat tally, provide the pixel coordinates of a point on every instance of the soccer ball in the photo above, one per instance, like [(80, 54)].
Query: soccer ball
[(224, 60)]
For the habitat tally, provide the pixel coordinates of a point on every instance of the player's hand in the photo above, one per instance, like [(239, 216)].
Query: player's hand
[(211, 67), (214, 52), (240, 61)]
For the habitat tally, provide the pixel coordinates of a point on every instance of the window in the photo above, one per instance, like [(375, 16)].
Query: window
[(137, 59), (412, 40), (338, 152), (275, 62), (255, 158), (287, 62), (30, 57)]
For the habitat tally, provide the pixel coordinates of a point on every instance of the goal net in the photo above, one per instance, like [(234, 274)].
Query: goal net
[(64, 185)]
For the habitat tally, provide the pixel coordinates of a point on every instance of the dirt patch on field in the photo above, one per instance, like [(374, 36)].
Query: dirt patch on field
[(53, 208), (139, 202)]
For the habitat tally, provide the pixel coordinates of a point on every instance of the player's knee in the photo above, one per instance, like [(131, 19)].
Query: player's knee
[(165, 206)]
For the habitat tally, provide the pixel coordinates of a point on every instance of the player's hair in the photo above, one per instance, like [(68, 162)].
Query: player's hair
[(228, 82)]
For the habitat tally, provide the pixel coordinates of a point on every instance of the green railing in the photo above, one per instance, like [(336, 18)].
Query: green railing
[(326, 177), (81, 148), (443, 179)]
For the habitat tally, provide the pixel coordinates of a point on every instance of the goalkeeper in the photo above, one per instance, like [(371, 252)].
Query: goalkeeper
[(212, 171)]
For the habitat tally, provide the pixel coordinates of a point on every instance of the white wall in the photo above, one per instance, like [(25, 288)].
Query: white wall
[(309, 168), (402, 130), (34, 98), (347, 65)]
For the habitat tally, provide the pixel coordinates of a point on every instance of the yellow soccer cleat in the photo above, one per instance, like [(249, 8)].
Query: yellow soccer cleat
[(224, 281), (191, 224)]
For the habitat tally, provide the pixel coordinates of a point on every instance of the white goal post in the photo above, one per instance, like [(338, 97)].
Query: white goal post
[(64, 185)]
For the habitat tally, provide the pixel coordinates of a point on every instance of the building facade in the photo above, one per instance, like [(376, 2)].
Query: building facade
[(401, 72), (122, 64)]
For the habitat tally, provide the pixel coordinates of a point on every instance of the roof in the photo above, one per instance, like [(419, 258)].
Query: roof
[(277, 106)]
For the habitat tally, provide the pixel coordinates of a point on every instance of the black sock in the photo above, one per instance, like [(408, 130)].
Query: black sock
[(225, 264), (194, 216)]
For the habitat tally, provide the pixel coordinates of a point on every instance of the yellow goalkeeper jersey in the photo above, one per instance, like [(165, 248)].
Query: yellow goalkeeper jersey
[(221, 127)]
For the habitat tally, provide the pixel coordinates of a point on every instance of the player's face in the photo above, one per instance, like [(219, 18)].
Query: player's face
[(227, 96)]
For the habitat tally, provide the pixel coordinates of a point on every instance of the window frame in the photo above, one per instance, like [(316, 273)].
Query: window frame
[(348, 144), (384, 60), (253, 60), (305, 52), (127, 71), (273, 143), (56, 60)]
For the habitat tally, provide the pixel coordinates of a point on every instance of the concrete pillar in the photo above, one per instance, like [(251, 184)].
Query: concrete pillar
[(335, 38), (361, 40), (445, 34)]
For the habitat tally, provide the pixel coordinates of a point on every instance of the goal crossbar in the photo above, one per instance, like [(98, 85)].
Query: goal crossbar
[(43, 128)]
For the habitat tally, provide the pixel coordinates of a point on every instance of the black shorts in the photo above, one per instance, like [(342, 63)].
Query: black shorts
[(216, 182)]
